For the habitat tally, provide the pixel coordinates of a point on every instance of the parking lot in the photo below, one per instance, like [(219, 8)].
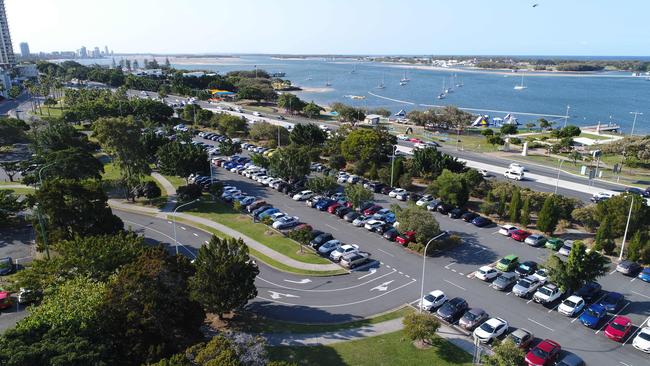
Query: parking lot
[(17, 244)]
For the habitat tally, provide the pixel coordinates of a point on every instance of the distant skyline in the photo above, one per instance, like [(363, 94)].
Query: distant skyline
[(379, 27)]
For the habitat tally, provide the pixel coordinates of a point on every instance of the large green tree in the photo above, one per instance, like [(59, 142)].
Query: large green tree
[(580, 267), (371, 146), (312, 110), (225, 276), (307, 134), (505, 353), (322, 184), (182, 159), (420, 327), (264, 131), (549, 216), (72, 163), (357, 195), (514, 208), (429, 163), (290, 102), (417, 219), (452, 188), (230, 125), (290, 163)]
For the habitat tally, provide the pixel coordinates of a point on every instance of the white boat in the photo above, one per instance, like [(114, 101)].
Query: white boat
[(441, 96), (354, 69), (402, 83), (381, 84), (460, 84), (327, 83), (521, 86), (308, 77), (404, 79)]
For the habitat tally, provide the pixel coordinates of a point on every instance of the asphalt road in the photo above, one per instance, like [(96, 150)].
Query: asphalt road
[(17, 244)]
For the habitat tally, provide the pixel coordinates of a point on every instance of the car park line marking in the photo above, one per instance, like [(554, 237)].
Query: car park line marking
[(370, 273), (183, 227), (462, 274), (169, 222), (450, 264), (541, 325), (453, 270), (636, 331), (612, 272), (453, 284), (577, 316), (496, 232), (331, 227), (529, 301), (634, 292), (385, 252), (407, 276), (632, 280), (327, 290), (195, 234), (400, 272), (555, 307), (623, 363), (508, 294), (612, 317)]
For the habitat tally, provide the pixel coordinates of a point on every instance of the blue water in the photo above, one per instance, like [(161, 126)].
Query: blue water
[(591, 98)]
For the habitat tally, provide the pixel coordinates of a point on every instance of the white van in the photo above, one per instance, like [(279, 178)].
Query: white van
[(514, 173)]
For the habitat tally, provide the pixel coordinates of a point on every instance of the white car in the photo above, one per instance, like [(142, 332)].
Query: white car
[(361, 220), (395, 192), (490, 330), (277, 216), (566, 248), (402, 137), (433, 300), (542, 275), (373, 224), (257, 114), (601, 196), (571, 306), (273, 182), (424, 200), (344, 249), (343, 179), (304, 195), (353, 179), (484, 173), (514, 174), (486, 273), (547, 294), (285, 222), (507, 230), (642, 340)]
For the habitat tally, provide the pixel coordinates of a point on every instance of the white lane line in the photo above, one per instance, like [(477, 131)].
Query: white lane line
[(387, 266), (331, 227), (161, 233), (529, 301), (195, 234), (453, 270), (183, 227), (371, 272), (612, 272), (637, 330), (450, 264), (453, 284), (508, 294), (496, 232), (632, 280), (462, 274), (555, 307), (169, 222), (623, 363), (327, 290), (634, 292), (385, 252), (541, 325), (400, 272), (407, 276), (207, 242), (613, 316), (577, 316)]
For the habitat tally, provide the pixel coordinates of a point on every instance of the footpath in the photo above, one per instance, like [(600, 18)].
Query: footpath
[(168, 209)]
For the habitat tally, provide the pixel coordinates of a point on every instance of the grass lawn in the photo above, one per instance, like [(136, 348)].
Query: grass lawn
[(175, 181), (250, 323), (391, 349), (225, 215), (20, 190)]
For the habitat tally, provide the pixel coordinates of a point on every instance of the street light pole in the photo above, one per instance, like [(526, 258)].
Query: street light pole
[(392, 165), (424, 263), (39, 214), (174, 219), (627, 226), (566, 117), (557, 180), (634, 123)]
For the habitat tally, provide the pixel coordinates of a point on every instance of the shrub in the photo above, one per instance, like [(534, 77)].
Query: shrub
[(267, 221), (188, 192)]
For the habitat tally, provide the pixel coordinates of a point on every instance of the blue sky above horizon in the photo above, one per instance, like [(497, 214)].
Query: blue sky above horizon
[(468, 27)]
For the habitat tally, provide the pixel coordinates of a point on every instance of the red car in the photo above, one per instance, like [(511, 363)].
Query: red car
[(520, 235), (5, 300), (372, 210), (415, 140), (332, 208), (544, 353), (405, 238), (618, 328)]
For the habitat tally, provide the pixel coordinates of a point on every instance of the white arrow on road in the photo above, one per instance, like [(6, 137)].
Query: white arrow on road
[(370, 273), (277, 295), (301, 282), (382, 287)]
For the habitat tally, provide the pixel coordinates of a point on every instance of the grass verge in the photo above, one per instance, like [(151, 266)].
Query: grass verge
[(391, 349), (19, 190), (175, 181)]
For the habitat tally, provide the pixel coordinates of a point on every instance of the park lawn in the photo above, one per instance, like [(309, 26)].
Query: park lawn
[(250, 323), (175, 181), (225, 215), (20, 191), (391, 349)]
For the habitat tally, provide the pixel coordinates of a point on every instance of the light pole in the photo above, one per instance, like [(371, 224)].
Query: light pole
[(634, 123), (392, 165), (39, 214), (627, 226), (557, 180), (174, 219), (566, 117), (424, 263)]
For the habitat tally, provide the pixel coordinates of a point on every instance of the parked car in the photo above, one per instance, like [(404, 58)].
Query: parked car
[(320, 240), (351, 216), (520, 235), (570, 360), (521, 337), (433, 205), (337, 253), (571, 306), (642, 340), (452, 309), (526, 268), (371, 225), (481, 221), (619, 328), (565, 250), (424, 200), (405, 238), (544, 353), (258, 211), (593, 315), (361, 220), (383, 228), (547, 294), (352, 260), (504, 281), (542, 275), (507, 230), (324, 204), (612, 301), (285, 222), (301, 196), (525, 287), (456, 213), (628, 268), (507, 263), (644, 275), (329, 247), (589, 291), (391, 234), (491, 330), (7, 266), (486, 273), (433, 300), (372, 210), (5, 300), (469, 216), (535, 240), (396, 191), (473, 318), (26, 296), (444, 208)]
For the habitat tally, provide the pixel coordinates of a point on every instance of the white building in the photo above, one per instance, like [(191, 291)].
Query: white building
[(7, 57), (372, 119)]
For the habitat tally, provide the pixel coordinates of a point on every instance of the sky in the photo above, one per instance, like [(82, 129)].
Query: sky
[(373, 27)]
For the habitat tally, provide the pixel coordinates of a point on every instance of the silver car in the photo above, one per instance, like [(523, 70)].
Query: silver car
[(526, 286)]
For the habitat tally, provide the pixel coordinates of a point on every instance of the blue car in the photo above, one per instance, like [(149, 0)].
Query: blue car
[(324, 204), (645, 274), (481, 221), (593, 315), (268, 212), (612, 301)]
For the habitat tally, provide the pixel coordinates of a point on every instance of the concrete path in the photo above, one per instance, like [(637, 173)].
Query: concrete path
[(170, 191), (14, 186), (326, 338)]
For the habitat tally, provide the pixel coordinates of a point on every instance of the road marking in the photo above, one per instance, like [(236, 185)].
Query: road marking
[(577, 316), (450, 264), (161, 233), (453, 284), (462, 274), (183, 227), (331, 227), (613, 316), (508, 294), (634, 292), (383, 287), (277, 295), (387, 266), (300, 282), (632, 280), (612, 272), (385, 252), (400, 272), (195, 234), (541, 325), (555, 307), (453, 270), (407, 276), (496, 232), (529, 301), (371, 272), (328, 290), (623, 363), (637, 330), (207, 242), (169, 222)]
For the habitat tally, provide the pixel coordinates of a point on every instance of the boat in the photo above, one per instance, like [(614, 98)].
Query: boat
[(444, 93), (451, 86), (404, 79), (309, 77), (381, 84), (354, 69), (401, 113), (441, 96), (327, 83), (521, 86), (460, 84), (402, 83)]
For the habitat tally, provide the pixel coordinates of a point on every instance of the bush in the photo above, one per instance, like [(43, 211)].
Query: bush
[(515, 141), (188, 192), (447, 243), (420, 326), (268, 221)]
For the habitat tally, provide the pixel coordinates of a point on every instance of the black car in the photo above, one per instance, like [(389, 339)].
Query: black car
[(259, 210), (282, 186), (351, 216), (362, 207), (414, 197), (481, 221), (386, 190), (526, 268), (381, 229), (456, 213), (589, 291), (452, 309), (444, 208), (504, 281), (375, 187), (320, 240), (469, 216), (342, 211), (7, 266), (433, 205), (391, 234), (315, 233)]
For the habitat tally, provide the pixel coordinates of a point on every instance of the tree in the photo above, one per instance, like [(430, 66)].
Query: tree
[(12, 130), (149, 190), (495, 140), (302, 236), (229, 147), (268, 132), (337, 162), (307, 134), (11, 168), (586, 216), (260, 160), (231, 126), (120, 138), (524, 220), (73, 163), (604, 234), (415, 218), (290, 102), (225, 276), (226, 349), (251, 93), (543, 123), (548, 217), (501, 207), (290, 163), (508, 130), (515, 206), (505, 353), (420, 327), (9, 206), (369, 146), (162, 319), (182, 159), (430, 162), (357, 195), (451, 188), (60, 136), (15, 91), (312, 110), (76, 208), (189, 192), (581, 267), (639, 247), (322, 185), (49, 102)]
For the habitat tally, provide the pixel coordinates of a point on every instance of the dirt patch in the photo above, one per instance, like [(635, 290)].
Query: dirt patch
[(421, 345)]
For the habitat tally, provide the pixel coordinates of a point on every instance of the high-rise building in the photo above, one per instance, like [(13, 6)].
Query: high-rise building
[(83, 52), (106, 50), (7, 57), (24, 49), (97, 53)]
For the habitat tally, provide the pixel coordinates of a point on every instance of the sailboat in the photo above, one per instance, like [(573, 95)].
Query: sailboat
[(354, 69), (521, 86), (381, 84), (451, 86), (460, 84), (309, 77), (328, 82), (404, 79), (443, 94)]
